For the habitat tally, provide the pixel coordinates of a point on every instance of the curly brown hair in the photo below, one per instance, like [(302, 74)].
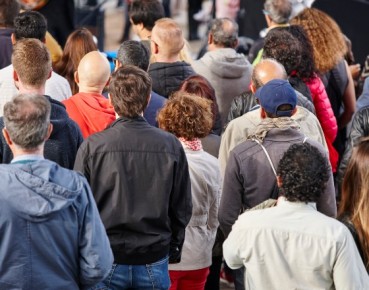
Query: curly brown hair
[(329, 46), (186, 115)]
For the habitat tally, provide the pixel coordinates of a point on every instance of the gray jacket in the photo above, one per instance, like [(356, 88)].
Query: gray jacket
[(228, 72), (249, 179)]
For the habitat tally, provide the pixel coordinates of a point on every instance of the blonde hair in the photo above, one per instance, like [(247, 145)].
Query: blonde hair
[(169, 36), (329, 46)]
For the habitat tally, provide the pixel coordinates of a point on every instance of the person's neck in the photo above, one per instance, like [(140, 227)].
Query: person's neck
[(90, 90), (212, 47), (31, 90), (18, 152), (159, 58), (144, 34)]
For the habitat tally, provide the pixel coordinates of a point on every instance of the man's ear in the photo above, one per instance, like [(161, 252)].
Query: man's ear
[(15, 76), (49, 131), (210, 38), (279, 181), (76, 78), (12, 38), (50, 73), (252, 88), (235, 44), (7, 137)]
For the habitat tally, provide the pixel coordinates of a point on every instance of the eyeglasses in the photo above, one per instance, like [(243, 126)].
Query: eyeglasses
[(265, 12)]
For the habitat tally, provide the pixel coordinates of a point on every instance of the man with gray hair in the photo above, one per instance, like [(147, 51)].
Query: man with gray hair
[(228, 71), (54, 235)]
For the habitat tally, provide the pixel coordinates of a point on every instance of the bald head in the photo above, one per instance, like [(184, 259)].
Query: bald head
[(266, 70), (93, 72), (167, 38)]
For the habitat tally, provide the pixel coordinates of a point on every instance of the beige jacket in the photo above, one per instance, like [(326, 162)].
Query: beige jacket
[(240, 128)]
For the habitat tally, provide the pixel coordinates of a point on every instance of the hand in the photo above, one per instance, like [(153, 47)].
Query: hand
[(355, 70)]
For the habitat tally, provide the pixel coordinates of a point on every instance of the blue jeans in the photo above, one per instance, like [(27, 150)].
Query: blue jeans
[(153, 276)]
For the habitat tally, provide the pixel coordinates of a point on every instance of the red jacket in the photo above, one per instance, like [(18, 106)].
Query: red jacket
[(325, 116), (91, 111)]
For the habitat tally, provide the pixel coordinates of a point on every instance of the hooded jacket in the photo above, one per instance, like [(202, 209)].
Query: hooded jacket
[(228, 72), (63, 143), (91, 111), (51, 233)]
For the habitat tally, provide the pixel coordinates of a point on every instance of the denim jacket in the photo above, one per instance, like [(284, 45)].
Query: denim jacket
[(51, 233)]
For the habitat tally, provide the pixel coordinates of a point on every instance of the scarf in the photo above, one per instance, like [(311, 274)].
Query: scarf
[(267, 124), (194, 145)]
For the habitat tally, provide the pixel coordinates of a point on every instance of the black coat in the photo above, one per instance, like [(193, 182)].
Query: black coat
[(140, 180)]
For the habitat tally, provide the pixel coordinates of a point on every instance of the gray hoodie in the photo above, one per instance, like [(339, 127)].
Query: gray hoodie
[(228, 72)]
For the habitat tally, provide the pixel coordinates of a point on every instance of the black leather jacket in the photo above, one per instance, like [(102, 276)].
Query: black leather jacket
[(140, 181)]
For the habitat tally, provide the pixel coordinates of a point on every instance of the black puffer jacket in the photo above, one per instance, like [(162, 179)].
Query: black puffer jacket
[(167, 77), (359, 129)]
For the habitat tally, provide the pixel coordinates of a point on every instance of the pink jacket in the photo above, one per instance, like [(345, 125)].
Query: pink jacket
[(325, 116)]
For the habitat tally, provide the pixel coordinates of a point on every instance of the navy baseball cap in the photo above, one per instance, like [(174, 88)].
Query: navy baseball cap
[(274, 94)]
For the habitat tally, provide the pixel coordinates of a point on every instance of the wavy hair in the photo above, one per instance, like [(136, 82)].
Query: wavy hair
[(187, 116), (355, 194), (329, 46)]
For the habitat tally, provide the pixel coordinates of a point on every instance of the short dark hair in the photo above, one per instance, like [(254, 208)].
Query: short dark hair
[(129, 90), (26, 118), (278, 10), (30, 24), (146, 12), (132, 52), (281, 45), (304, 173), (186, 115), (9, 9), (225, 32)]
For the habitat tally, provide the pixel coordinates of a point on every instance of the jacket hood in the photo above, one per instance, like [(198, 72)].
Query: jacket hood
[(38, 189), (226, 63)]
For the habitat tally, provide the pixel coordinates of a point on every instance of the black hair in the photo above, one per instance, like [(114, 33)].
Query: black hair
[(30, 24)]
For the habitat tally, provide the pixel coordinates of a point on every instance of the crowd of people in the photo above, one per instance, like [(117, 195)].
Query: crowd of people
[(166, 172)]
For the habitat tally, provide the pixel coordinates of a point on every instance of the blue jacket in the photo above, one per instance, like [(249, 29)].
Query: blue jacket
[(51, 233)]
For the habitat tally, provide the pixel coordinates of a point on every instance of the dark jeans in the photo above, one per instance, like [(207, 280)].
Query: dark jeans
[(153, 276)]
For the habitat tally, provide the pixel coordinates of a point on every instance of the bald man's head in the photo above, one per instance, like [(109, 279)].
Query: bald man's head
[(266, 70), (93, 72)]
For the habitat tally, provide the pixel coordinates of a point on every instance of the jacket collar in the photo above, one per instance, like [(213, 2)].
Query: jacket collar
[(126, 120)]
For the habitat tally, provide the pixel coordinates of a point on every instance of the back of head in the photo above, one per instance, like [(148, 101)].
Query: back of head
[(132, 52), (224, 32), (277, 98), (32, 62), (266, 70), (281, 45), (30, 24), (167, 34), (186, 116), (129, 91), (355, 194), (279, 11), (200, 86), (146, 12), (303, 172), (326, 37), (26, 118), (93, 71), (9, 9)]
